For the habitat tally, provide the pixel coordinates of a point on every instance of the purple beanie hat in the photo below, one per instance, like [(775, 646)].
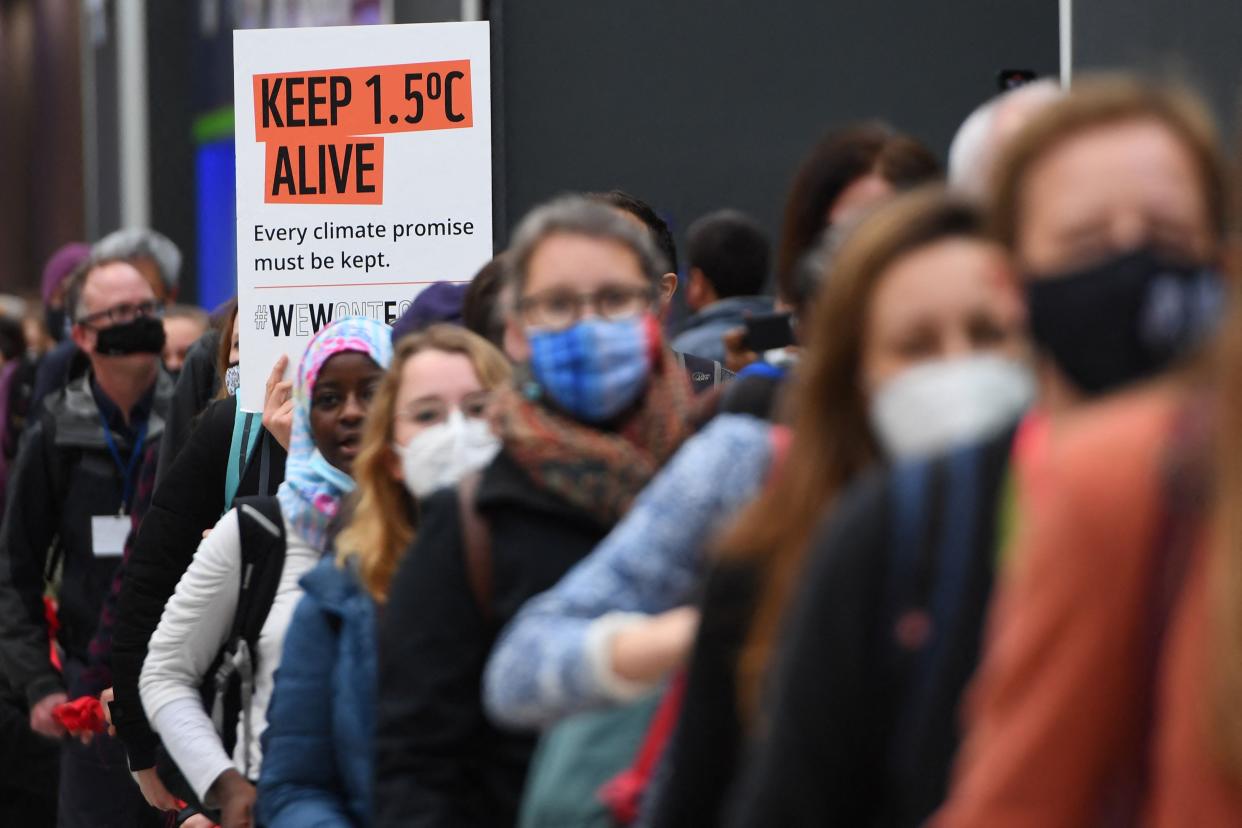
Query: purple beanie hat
[(440, 302), (61, 265)]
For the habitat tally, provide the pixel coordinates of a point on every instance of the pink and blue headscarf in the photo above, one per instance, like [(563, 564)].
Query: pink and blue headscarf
[(310, 497)]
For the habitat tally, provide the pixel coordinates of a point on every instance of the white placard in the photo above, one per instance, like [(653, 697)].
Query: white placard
[(364, 174)]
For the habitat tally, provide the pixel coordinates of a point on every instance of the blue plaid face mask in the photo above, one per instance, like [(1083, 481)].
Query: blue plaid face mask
[(593, 369)]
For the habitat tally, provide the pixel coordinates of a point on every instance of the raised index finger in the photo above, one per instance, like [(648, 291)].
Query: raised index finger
[(278, 372)]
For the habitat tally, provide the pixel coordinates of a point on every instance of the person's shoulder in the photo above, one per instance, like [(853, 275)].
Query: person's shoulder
[(1117, 443), (219, 413), (439, 515), (855, 525), (330, 583), (71, 408), (736, 429), (205, 347), (753, 393), (1103, 480), (223, 541), (729, 442)]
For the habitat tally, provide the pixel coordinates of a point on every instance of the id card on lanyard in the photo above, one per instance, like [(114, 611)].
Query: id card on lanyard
[(109, 532)]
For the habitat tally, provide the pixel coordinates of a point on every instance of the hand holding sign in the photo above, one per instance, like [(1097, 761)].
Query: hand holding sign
[(278, 404)]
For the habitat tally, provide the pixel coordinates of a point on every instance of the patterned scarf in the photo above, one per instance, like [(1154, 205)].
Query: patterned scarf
[(600, 472), (311, 493)]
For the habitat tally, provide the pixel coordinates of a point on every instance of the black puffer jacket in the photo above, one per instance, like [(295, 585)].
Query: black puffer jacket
[(188, 501), (64, 475), (439, 761)]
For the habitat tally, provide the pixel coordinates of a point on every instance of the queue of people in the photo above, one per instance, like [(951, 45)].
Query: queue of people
[(943, 533)]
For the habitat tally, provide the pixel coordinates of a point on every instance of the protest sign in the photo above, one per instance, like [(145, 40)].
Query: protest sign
[(363, 175)]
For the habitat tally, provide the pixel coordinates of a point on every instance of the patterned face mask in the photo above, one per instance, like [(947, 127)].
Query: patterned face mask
[(596, 368), (232, 379)]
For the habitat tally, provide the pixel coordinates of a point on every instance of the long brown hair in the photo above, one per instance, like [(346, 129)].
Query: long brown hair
[(380, 527), (832, 438), (839, 159), (227, 324)]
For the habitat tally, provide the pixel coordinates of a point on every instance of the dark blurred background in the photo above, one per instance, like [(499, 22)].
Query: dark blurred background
[(119, 112)]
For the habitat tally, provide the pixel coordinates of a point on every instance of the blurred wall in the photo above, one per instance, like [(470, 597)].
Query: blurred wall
[(41, 199), (701, 104), (1191, 41), (425, 11), (170, 52)]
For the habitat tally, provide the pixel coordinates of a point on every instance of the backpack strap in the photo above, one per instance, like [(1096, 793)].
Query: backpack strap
[(476, 543), (266, 440), (625, 793), (262, 531), (949, 569), (905, 619), (910, 485), (246, 428)]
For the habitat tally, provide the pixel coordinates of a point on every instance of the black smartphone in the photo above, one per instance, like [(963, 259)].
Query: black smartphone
[(766, 331), (1007, 79)]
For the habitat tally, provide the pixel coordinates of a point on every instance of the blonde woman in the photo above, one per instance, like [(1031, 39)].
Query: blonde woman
[(427, 429)]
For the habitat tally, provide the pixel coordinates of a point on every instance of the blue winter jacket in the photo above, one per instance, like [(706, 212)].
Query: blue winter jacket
[(318, 749)]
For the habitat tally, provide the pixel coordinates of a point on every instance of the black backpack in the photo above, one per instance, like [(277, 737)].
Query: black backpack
[(228, 686)]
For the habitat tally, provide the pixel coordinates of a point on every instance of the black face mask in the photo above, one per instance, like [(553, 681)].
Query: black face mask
[(56, 319), (144, 335), (1124, 319)]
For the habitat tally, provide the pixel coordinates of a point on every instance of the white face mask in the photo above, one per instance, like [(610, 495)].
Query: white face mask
[(935, 406), (443, 454)]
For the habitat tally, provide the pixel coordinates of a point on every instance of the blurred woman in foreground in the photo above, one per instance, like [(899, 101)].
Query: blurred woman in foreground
[(1112, 202), (920, 313), (1111, 692)]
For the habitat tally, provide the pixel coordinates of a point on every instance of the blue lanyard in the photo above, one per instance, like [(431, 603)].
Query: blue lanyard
[(127, 469)]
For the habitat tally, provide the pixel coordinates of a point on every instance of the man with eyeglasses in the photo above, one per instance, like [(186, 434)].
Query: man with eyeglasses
[(71, 490), (156, 258)]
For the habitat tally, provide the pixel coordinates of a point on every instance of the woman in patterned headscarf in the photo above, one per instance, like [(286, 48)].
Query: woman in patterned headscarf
[(335, 381)]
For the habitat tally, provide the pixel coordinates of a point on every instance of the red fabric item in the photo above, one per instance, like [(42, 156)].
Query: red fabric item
[(1032, 448), (781, 438), (623, 794), (53, 627), (82, 715)]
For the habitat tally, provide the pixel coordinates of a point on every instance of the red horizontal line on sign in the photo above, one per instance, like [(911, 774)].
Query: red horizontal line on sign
[(361, 284)]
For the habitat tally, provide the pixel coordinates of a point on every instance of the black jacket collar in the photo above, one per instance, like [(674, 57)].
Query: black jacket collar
[(505, 484), (75, 412)]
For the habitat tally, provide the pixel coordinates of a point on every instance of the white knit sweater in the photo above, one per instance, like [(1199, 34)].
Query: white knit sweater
[(193, 628)]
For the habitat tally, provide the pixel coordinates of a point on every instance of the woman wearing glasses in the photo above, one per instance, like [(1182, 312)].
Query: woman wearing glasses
[(598, 405), (426, 429)]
